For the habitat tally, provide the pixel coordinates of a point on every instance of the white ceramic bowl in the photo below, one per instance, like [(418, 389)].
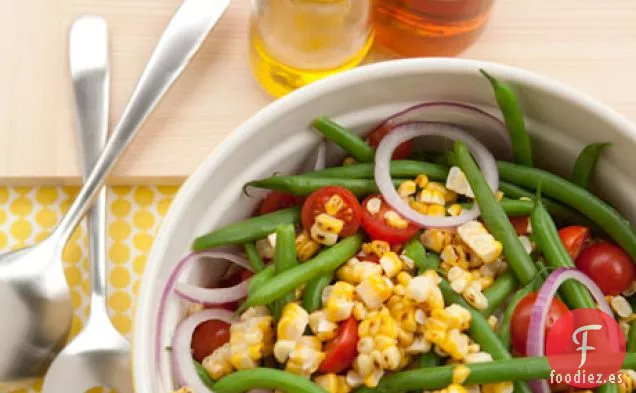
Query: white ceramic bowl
[(277, 139)]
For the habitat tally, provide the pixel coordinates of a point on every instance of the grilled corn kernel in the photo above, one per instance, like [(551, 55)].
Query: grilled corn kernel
[(349, 161), (455, 255), (382, 342), (391, 264), (625, 327), (282, 349), (323, 237), (456, 388), (334, 205), (419, 345), (418, 206), (478, 357), (366, 344), (376, 247), (621, 306), (421, 181), (363, 364), (499, 387), (436, 210), (306, 247), (630, 290), (431, 196), (455, 344), (499, 195), (459, 279), (407, 188), (457, 182), (374, 205), (394, 220), (355, 273), (264, 249), (374, 291), (392, 358), (460, 374), (405, 338), (218, 363), (354, 379), (293, 322), (333, 383), (339, 304), (420, 288), (492, 322), (436, 239), (486, 282), (480, 241), (475, 296), (329, 224), (455, 210), (373, 379), (321, 326), (359, 311)]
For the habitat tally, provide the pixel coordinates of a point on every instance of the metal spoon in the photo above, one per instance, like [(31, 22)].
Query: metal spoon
[(34, 296), (99, 355)]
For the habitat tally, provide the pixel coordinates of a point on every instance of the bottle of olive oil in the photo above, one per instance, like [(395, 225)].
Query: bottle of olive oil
[(295, 42)]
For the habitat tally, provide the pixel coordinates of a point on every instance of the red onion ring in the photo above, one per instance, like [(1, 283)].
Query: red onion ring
[(407, 131), (486, 127), (184, 370), (170, 283), (536, 332), (211, 296), (321, 156)]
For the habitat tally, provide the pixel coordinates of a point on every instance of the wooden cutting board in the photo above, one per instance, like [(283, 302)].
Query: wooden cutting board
[(587, 44)]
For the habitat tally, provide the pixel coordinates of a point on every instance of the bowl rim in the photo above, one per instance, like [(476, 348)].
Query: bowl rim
[(142, 342)]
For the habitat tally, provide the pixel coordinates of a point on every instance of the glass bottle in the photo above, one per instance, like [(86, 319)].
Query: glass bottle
[(414, 28), (295, 42)]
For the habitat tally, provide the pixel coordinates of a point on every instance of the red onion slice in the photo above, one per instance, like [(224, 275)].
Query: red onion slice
[(321, 156), (211, 296), (407, 131), (184, 370), (170, 284), (536, 332), (484, 126)]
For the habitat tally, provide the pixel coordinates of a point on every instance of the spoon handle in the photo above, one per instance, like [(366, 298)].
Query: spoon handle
[(179, 42), (88, 47)]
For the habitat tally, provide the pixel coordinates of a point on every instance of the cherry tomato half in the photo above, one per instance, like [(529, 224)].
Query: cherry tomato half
[(209, 336), (521, 320), (401, 152), (521, 224), (574, 238), (378, 229), (349, 213), (278, 200), (608, 265), (341, 350)]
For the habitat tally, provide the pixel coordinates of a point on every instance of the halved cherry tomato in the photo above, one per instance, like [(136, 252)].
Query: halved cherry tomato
[(378, 229), (574, 238), (401, 152), (278, 200), (209, 336), (520, 321), (236, 278), (608, 265), (341, 350), (520, 223), (349, 213)]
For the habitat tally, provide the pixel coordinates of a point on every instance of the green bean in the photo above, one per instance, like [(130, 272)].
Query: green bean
[(497, 294), (428, 360), (517, 369), (261, 278), (556, 209), (511, 111), (582, 200), (324, 263), (349, 141), (302, 185), (252, 256), (399, 168), (203, 374), (265, 378), (504, 327), (416, 251), (516, 207), (585, 164), (607, 388), (284, 260), (248, 230), (312, 296), (631, 338), (495, 217), (556, 256)]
